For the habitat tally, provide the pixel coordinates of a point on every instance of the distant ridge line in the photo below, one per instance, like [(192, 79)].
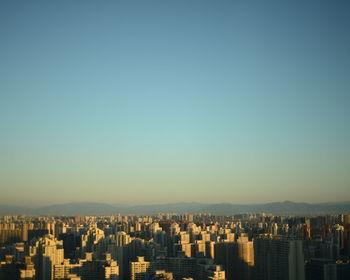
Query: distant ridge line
[(97, 208)]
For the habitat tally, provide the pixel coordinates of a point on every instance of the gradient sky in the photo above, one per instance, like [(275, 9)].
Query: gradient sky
[(165, 101)]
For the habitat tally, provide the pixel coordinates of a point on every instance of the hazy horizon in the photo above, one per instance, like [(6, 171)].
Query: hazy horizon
[(165, 101), (131, 204)]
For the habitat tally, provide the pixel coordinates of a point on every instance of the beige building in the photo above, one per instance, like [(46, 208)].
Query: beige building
[(46, 252), (88, 268), (28, 272), (216, 273), (140, 269), (246, 250)]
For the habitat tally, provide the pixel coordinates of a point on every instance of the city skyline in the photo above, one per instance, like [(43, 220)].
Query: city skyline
[(166, 101), (174, 246)]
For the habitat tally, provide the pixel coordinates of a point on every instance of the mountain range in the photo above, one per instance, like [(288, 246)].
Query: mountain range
[(94, 208)]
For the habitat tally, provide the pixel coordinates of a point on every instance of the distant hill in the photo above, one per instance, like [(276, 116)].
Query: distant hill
[(77, 208), (94, 208), (285, 207), (14, 210)]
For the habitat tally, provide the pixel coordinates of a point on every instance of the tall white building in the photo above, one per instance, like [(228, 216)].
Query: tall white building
[(140, 269), (47, 252)]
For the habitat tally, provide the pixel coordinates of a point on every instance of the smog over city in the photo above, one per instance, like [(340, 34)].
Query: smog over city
[(175, 139)]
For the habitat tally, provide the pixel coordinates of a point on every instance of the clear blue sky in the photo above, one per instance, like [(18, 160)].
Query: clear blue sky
[(166, 101)]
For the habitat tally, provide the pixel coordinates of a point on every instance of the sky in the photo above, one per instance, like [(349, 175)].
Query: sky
[(159, 101)]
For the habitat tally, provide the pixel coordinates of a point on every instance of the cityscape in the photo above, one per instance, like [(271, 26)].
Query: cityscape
[(174, 140), (175, 246)]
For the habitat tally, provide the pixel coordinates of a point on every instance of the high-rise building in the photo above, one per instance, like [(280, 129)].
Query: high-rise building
[(88, 269), (320, 269), (122, 253), (278, 258), (46, 252), (140, 269)]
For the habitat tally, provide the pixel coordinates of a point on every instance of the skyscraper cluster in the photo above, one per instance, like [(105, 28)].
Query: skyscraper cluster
[(175, 246)]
